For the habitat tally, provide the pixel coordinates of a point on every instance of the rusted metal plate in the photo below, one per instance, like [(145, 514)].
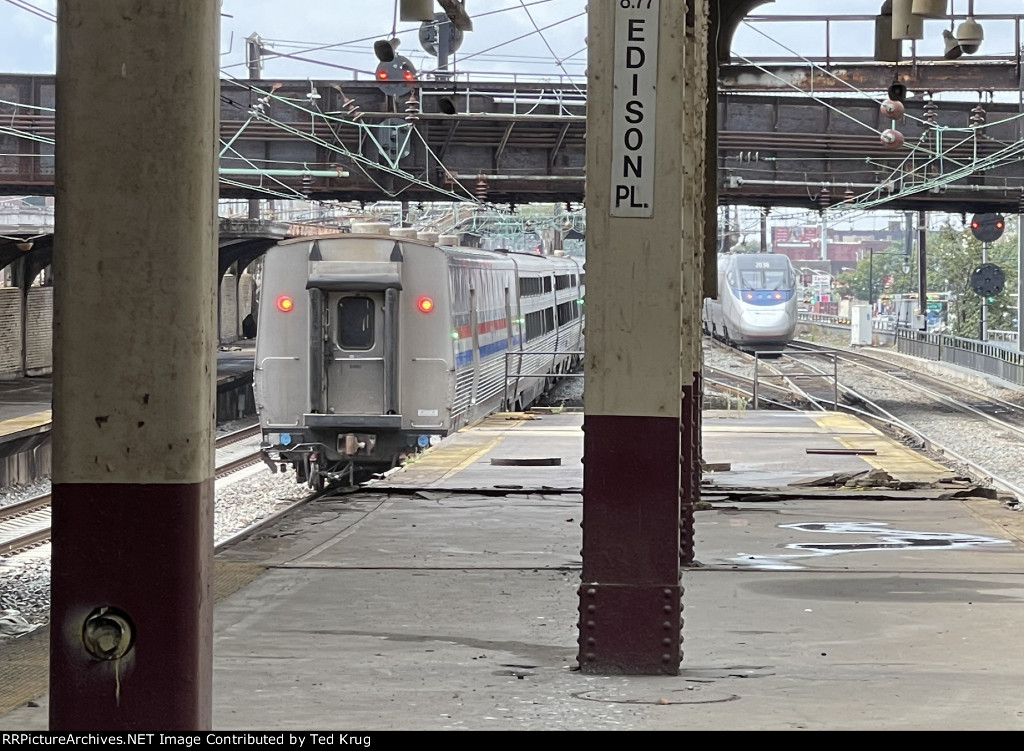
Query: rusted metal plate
[(630, 630)]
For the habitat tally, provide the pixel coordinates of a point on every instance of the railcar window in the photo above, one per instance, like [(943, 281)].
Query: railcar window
[(547, 284), (763, 279), (568, 311), (529, 286), (539, 322), (355, 323), (562, 282), (534, 325)]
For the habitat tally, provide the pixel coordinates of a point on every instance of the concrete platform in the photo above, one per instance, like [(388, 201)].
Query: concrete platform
[(444, 598), (25, 402)]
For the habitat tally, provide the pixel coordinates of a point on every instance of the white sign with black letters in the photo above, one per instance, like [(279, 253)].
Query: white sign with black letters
[(634, 99)]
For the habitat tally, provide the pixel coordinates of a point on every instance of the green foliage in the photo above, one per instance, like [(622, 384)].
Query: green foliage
[(884, 271), (952, 255)]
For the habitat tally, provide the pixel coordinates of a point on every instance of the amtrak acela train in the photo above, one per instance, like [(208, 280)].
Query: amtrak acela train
[(756, 307), (371, 345)]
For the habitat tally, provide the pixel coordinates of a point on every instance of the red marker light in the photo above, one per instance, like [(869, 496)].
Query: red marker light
[(285, 304), (409, 75), (425, 305), (382, 75)]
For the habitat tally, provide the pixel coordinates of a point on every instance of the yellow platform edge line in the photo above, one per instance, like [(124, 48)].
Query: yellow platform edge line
[(891, 456)]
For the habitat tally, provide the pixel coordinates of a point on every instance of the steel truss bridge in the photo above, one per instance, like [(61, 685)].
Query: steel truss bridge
[(787, 135)]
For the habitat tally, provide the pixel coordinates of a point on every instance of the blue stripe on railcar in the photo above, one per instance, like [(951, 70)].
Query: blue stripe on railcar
[(466, 356)]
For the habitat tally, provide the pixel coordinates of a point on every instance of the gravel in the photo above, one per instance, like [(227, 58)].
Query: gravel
[(243, 499)]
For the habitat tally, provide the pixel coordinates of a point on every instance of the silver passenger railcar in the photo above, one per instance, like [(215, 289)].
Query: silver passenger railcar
[(756, 307), (371, 346)]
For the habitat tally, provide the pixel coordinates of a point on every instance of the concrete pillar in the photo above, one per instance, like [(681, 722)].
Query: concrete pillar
[(134, 343), (630, 593)]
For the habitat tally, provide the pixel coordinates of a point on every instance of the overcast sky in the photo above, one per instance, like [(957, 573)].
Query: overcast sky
[(504, 39)]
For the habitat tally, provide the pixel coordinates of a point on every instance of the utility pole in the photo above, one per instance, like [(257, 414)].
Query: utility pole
[(254, 62), (824, 235), (764, 230), (922, 268)]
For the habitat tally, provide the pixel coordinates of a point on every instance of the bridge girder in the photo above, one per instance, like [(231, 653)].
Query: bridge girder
[(506, 143)]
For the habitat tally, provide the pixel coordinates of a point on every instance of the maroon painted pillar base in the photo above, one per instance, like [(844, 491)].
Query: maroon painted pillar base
[(117, 589), (689, 467), (631, 595)]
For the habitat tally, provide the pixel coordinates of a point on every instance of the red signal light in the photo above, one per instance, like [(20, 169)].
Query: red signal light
[(425, 305), (408, 75), (285, 304), (382, 75)]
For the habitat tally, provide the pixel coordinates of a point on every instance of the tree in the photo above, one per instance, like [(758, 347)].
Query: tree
[(954, 253), (883, 270)]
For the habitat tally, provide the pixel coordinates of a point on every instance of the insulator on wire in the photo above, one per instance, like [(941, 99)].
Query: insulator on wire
[(978, 115), (892, 109), (412, 108), (480, 190), (891, 138), (931, 113)]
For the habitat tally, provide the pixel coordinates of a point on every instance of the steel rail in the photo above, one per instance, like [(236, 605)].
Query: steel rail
[(34, 513)]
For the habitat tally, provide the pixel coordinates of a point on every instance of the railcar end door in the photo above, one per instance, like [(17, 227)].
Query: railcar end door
[(355, 369)]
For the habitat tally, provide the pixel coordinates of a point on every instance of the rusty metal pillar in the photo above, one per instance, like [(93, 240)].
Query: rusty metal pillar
[(630, 595), (134, 365), (694, 156)]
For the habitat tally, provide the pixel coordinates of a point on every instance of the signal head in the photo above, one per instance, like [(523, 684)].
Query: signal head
[(987, 227), (397, 76)]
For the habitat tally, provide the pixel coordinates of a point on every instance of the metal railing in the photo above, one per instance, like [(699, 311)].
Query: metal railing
[(992, 358), (520, 374)]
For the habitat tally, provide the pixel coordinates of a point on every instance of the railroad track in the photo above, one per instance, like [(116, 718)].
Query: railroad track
[(1001, 419), (919, 408), (783, 395), (1000, 413), (26, 524)]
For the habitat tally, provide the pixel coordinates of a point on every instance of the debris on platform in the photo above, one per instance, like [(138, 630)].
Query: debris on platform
[(873, 478), (843, 452), (545, 461), (716, 466), (974, 491)]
